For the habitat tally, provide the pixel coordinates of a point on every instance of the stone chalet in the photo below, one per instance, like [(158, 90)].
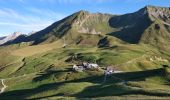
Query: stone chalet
[(85, 66)]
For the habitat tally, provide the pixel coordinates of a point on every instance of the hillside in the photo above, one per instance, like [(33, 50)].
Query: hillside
[(70, 26), (158, 32)]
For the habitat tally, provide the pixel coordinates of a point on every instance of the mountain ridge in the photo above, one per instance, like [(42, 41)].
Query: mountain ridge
[(131, 28)]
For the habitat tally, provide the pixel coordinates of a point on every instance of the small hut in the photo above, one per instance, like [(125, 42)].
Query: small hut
[(109, 70), (78, 68)]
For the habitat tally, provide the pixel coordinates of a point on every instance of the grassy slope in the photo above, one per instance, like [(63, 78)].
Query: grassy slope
[(157, 37), (34, 79), (32, 50), (149, 83)]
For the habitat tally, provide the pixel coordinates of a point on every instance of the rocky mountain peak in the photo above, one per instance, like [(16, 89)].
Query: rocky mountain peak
[(161, 13), (10, 37), (16, 34), (83, 12)]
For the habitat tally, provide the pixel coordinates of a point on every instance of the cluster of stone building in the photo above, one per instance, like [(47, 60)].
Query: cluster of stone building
[(85, 66)]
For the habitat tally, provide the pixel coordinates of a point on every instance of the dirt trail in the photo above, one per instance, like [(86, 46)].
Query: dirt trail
[(4, 86)]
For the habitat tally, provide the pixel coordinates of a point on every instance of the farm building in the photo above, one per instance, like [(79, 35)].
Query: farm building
[(85, 66)]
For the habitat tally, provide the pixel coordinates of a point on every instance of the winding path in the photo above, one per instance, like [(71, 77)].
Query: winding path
[(4, 86)]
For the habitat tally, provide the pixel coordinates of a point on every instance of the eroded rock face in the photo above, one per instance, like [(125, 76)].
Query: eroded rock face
[(88, 23), (88, 31), (161, 13)]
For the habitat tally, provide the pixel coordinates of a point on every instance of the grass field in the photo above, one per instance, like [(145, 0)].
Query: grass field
[(45, 71)]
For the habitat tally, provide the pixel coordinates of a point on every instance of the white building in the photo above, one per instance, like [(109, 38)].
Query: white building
[(85, 66), (78, 68)]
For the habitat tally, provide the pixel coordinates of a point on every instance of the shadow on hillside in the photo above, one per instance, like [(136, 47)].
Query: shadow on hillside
[(131, 27), (114, 90), (95, 91), (44, 75)]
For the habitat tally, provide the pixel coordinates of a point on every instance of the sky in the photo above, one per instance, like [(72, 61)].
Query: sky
[(33, 15)]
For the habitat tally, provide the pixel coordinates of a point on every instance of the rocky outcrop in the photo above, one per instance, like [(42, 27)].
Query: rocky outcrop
[(90, 23)]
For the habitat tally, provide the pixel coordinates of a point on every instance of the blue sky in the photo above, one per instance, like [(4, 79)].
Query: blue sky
[(33, 15)]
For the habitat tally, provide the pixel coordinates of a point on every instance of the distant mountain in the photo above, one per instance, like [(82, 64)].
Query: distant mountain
[(149, 25), (8, 38), (1, 38)]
